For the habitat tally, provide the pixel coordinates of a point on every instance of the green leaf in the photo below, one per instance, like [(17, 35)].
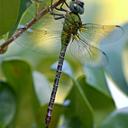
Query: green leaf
[(95, 77), (24, 4), (19, 76), (29, 13), (8, 14), (33, 9), (7, 104), (117, 119), (79, 112), (101, 103)]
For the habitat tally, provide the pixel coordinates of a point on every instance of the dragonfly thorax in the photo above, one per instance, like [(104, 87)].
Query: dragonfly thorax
[(72, 23), (71, 26)]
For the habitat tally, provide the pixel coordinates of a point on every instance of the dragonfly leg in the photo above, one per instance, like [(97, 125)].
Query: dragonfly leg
[(56, 15), (61, 7)]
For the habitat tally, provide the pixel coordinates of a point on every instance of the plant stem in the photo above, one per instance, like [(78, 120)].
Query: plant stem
[(19, 31)]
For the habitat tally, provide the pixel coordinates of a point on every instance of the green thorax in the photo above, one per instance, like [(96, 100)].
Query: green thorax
[(72, 23), (71, 26)]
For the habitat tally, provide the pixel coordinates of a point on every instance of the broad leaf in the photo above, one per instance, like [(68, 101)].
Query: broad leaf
[(101, 103), (79, 111), (8, 14), (19, 75), (117, 119), (7, 104)]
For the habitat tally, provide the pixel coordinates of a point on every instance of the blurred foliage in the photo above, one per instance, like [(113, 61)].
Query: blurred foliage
[(27, 72), (10, 16)]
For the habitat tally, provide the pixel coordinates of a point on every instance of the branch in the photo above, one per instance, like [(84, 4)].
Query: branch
[(19, 32)]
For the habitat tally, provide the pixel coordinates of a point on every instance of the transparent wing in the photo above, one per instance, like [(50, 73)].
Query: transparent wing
[(41, 37), (83, 51), (86, 44), (94, 33)]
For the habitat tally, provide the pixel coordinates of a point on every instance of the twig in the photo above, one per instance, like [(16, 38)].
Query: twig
[(18, 32)]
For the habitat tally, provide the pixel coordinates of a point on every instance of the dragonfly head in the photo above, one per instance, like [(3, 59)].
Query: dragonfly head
[(77, 6)]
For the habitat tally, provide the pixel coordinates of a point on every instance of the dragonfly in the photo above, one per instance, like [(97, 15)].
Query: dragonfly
[(75, 36)]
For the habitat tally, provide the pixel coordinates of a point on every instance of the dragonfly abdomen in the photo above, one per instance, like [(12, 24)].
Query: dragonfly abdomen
[(65, 38), (55, 86)]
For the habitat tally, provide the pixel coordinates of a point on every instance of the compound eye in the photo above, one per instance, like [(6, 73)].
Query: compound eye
[(77, 7)]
